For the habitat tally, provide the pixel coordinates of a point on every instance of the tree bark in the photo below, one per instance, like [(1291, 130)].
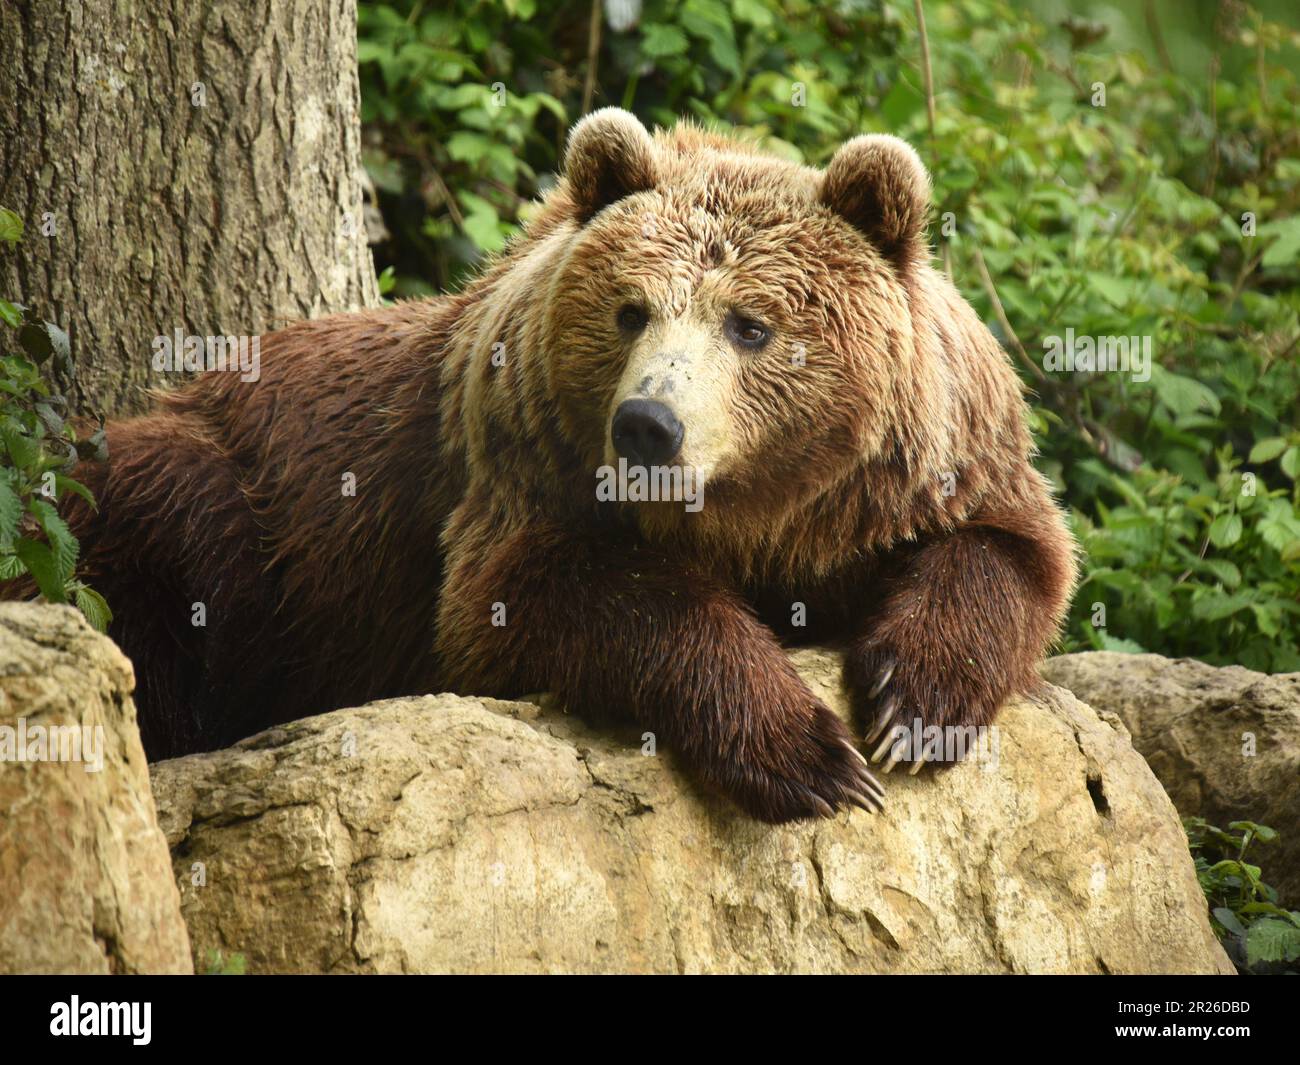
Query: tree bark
[(190, 164)]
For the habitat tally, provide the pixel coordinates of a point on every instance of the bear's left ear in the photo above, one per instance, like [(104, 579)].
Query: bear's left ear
[(610, 155), (879, 183)]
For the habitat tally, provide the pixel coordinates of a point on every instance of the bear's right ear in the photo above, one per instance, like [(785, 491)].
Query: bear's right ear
[(878, 183), (610, 155)]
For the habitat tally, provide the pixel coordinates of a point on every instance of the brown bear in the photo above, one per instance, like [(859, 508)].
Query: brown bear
[(424, 497)]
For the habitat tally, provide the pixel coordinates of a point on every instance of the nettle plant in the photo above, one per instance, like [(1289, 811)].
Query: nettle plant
[(38, 448), (1258, 934)]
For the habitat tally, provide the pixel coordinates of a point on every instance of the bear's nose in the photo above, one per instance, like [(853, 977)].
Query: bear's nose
[(646, 432)]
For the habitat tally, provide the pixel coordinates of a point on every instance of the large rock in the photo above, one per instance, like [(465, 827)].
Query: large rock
[(85, 879), (1225, 742), (453, 834)]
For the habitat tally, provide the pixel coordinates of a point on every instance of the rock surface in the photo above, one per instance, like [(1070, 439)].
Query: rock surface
[(85, 880), (1225, 742), (443, 833)]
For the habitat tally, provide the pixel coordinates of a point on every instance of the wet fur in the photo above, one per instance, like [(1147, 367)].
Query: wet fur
[(475, 486)]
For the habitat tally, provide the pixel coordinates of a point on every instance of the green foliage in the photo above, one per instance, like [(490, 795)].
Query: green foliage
[(1258, 934), (452, 125), (37, 449), (1168, 213), (1199, 567)]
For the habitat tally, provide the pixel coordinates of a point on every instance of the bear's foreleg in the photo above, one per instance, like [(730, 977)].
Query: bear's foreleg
[(619, 625), (959, 629)]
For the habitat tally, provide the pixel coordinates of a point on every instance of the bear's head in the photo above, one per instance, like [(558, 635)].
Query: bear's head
[(745, 317)]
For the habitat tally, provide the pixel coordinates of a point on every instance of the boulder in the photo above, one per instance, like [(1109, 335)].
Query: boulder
[(452, 834), (1224, 741), (85, 877)]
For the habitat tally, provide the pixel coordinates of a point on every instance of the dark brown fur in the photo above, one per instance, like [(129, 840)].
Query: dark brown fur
[(475, 485)]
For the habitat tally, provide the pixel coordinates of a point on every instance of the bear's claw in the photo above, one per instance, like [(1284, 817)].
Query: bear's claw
[(892, 740), (885, 729), (870, 796), (816, 779), (882, 678), (855, 785), (886, 744), (897, 751), (887, 711)]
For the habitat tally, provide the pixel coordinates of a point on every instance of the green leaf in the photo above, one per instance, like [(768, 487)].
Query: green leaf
[(1267, 619), (64, 483), (757, 13), (709, 20), (551, 104), (1261, 832), (466, 147), (1183, 395), (1267, 449), (1291, 463), (11, 227), (1286, 249), (1273, 910), (1224, 571), (1216, 607), (23, 450), (1115, 290), (1225, 530), (62, 542), (1271, 939), (9, 314), (901, 103), (43, 567), (371, 52), (659, 41), (11, 510), (93, 606), (482, 224)]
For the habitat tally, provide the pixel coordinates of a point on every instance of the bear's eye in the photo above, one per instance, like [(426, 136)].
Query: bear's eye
[(746, 332), (632, 318)]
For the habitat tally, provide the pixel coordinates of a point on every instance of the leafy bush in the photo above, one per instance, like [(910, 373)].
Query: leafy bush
[(1161, 207), (1258, 934), (37, 449)]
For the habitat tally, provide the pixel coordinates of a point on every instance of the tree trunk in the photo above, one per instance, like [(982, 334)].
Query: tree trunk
[(179, 164)]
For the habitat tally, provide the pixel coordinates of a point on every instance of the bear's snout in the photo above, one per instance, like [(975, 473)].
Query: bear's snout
[(646, 432)]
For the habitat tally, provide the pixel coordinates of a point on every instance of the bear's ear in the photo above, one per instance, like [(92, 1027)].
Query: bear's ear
[(879, 183), (610, 155)]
